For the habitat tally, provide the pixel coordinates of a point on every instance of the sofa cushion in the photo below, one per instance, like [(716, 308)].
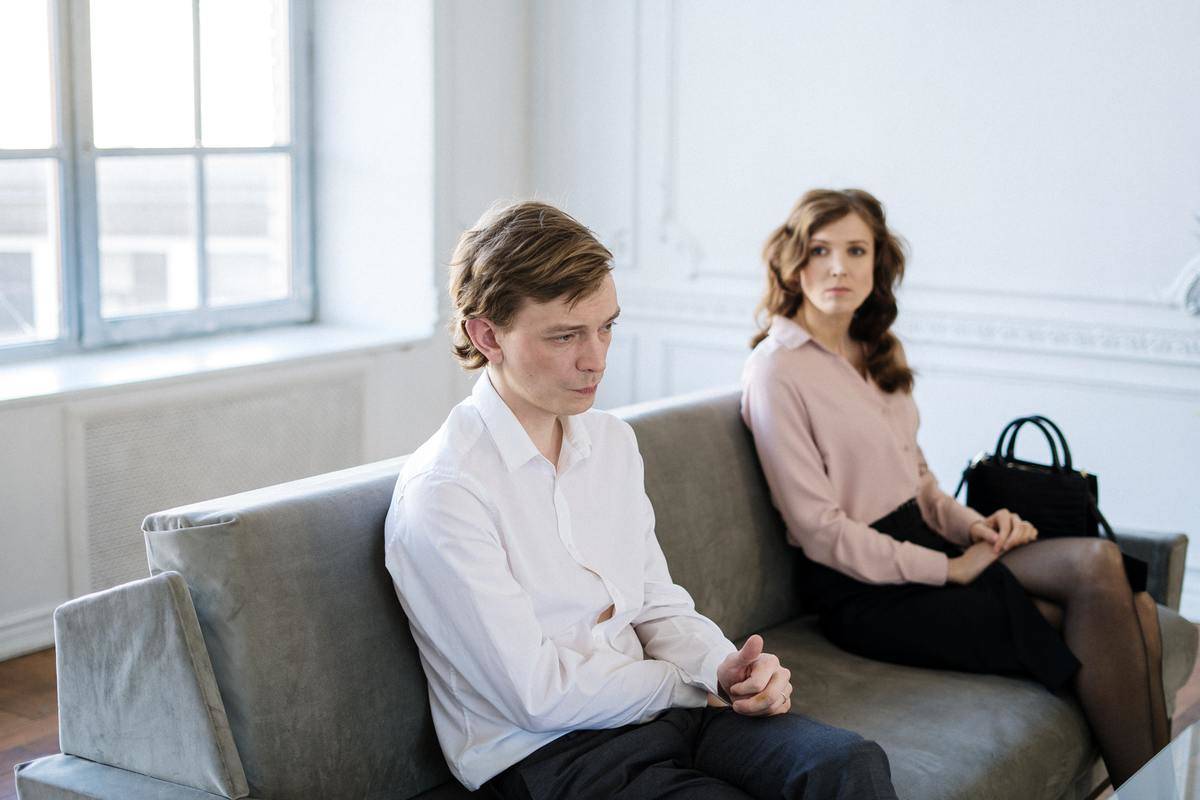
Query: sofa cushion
[(320, 677), (723, 539), (138, 692), (947, 734), (64, 777), (953, 734)]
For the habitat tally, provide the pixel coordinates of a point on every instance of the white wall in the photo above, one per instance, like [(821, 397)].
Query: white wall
[(1042, 164), (373, 129)]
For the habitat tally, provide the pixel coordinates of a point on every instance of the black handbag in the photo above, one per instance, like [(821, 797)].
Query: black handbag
[(1056, 499)]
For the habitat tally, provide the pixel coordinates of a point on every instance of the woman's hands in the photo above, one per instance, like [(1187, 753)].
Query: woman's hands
[(1004, 530), (992, 536)]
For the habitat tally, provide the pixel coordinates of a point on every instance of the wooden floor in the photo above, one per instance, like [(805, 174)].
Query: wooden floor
[(29, 712)]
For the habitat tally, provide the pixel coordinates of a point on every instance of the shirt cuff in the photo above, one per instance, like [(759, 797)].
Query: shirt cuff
[(708, 670), (684, 695)]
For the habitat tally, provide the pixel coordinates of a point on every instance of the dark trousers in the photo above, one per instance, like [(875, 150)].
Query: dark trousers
[(703, 753)]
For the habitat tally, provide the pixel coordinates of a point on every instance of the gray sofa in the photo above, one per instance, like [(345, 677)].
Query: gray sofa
[(268, 657)]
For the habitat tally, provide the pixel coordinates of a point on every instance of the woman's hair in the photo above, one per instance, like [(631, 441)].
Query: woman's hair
[(786, 253), (524, 251)]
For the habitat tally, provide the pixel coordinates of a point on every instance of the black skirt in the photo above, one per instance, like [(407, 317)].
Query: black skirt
[(990, 625)]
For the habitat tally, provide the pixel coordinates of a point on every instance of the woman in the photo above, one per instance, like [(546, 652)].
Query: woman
[(898, 570)]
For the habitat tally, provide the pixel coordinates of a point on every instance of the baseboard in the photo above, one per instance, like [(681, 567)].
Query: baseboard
[(26, 632)]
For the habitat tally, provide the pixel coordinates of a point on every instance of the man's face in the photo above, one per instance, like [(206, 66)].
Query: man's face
[(553, 354)]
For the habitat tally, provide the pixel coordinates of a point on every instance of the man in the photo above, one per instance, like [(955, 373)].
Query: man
[(562, 661)]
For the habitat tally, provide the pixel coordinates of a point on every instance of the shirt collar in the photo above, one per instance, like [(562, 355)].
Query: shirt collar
[(788, 333), (510, 436), (575, 433)]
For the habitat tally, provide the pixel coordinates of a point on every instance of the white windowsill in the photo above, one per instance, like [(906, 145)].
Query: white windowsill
[(61, 377)]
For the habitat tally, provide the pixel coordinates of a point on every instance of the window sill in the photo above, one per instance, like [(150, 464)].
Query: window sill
[(62, 377)]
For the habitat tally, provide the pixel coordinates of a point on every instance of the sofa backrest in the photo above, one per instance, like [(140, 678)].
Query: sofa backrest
[(724, 541), (320, 678)]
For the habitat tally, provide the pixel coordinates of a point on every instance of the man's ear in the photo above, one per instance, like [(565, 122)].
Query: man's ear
[(483, 335)]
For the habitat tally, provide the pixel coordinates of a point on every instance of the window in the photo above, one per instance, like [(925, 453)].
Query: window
[(153, 170)]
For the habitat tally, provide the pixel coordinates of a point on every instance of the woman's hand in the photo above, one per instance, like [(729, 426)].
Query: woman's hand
[(974, 560), (1004, 530)]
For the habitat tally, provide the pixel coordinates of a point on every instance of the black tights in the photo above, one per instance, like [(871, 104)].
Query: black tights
[(1079, 585)]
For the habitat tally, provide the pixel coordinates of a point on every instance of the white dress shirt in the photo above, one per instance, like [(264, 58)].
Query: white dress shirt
[(504, 564)]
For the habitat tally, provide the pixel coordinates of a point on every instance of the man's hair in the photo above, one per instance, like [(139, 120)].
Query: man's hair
[(524, 251)]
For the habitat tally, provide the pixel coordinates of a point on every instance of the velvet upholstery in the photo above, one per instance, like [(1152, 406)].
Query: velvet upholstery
[(1164, 554), (133, 668), (321, 679), (64, 777), (723, 540)]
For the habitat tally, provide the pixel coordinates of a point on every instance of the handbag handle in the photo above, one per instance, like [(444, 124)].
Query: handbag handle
[(1016, 426), (1062, 440)]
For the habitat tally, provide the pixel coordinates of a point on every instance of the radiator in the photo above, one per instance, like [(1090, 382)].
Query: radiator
[(178, 446)]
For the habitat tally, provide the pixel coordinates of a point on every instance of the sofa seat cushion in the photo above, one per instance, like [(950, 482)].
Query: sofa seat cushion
[(952, 734)]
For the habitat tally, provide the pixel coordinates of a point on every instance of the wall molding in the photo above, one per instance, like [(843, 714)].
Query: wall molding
[(1061, 336), (1056, 337), (27, 631)]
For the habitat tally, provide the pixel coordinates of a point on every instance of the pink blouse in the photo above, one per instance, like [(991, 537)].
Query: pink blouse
[(838, 453)]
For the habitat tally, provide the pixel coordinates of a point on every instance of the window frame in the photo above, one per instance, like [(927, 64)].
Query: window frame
[(82, 328)]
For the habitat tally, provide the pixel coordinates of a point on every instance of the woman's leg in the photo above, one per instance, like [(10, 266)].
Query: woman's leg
[(1147, 611), (1101, 625)]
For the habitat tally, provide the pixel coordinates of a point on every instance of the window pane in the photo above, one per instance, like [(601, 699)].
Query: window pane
[(147, 209), (249, 228), (244, 65), (142, 73), (26, 120), (30, 283)]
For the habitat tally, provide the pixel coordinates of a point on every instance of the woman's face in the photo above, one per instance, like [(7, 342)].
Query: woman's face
[(840, 272)]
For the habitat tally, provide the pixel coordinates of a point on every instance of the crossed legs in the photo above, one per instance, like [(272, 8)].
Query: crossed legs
[(1079, 585)]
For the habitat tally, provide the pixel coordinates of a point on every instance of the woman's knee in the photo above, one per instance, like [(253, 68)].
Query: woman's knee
[(1099, 565)]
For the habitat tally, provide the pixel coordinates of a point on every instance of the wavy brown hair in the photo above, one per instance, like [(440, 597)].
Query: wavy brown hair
[(786, 253), (523, 251)]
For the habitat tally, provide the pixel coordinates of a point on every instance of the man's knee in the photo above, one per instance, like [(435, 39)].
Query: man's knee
[(868, 754), (849, 751), (859, 769)]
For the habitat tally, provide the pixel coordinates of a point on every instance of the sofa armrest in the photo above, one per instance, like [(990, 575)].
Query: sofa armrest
[(1165, 553), (136, 689), (62, 777)]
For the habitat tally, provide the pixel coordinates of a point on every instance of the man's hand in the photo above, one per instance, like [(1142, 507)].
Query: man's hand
[(1004, 530), (755, 681)]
